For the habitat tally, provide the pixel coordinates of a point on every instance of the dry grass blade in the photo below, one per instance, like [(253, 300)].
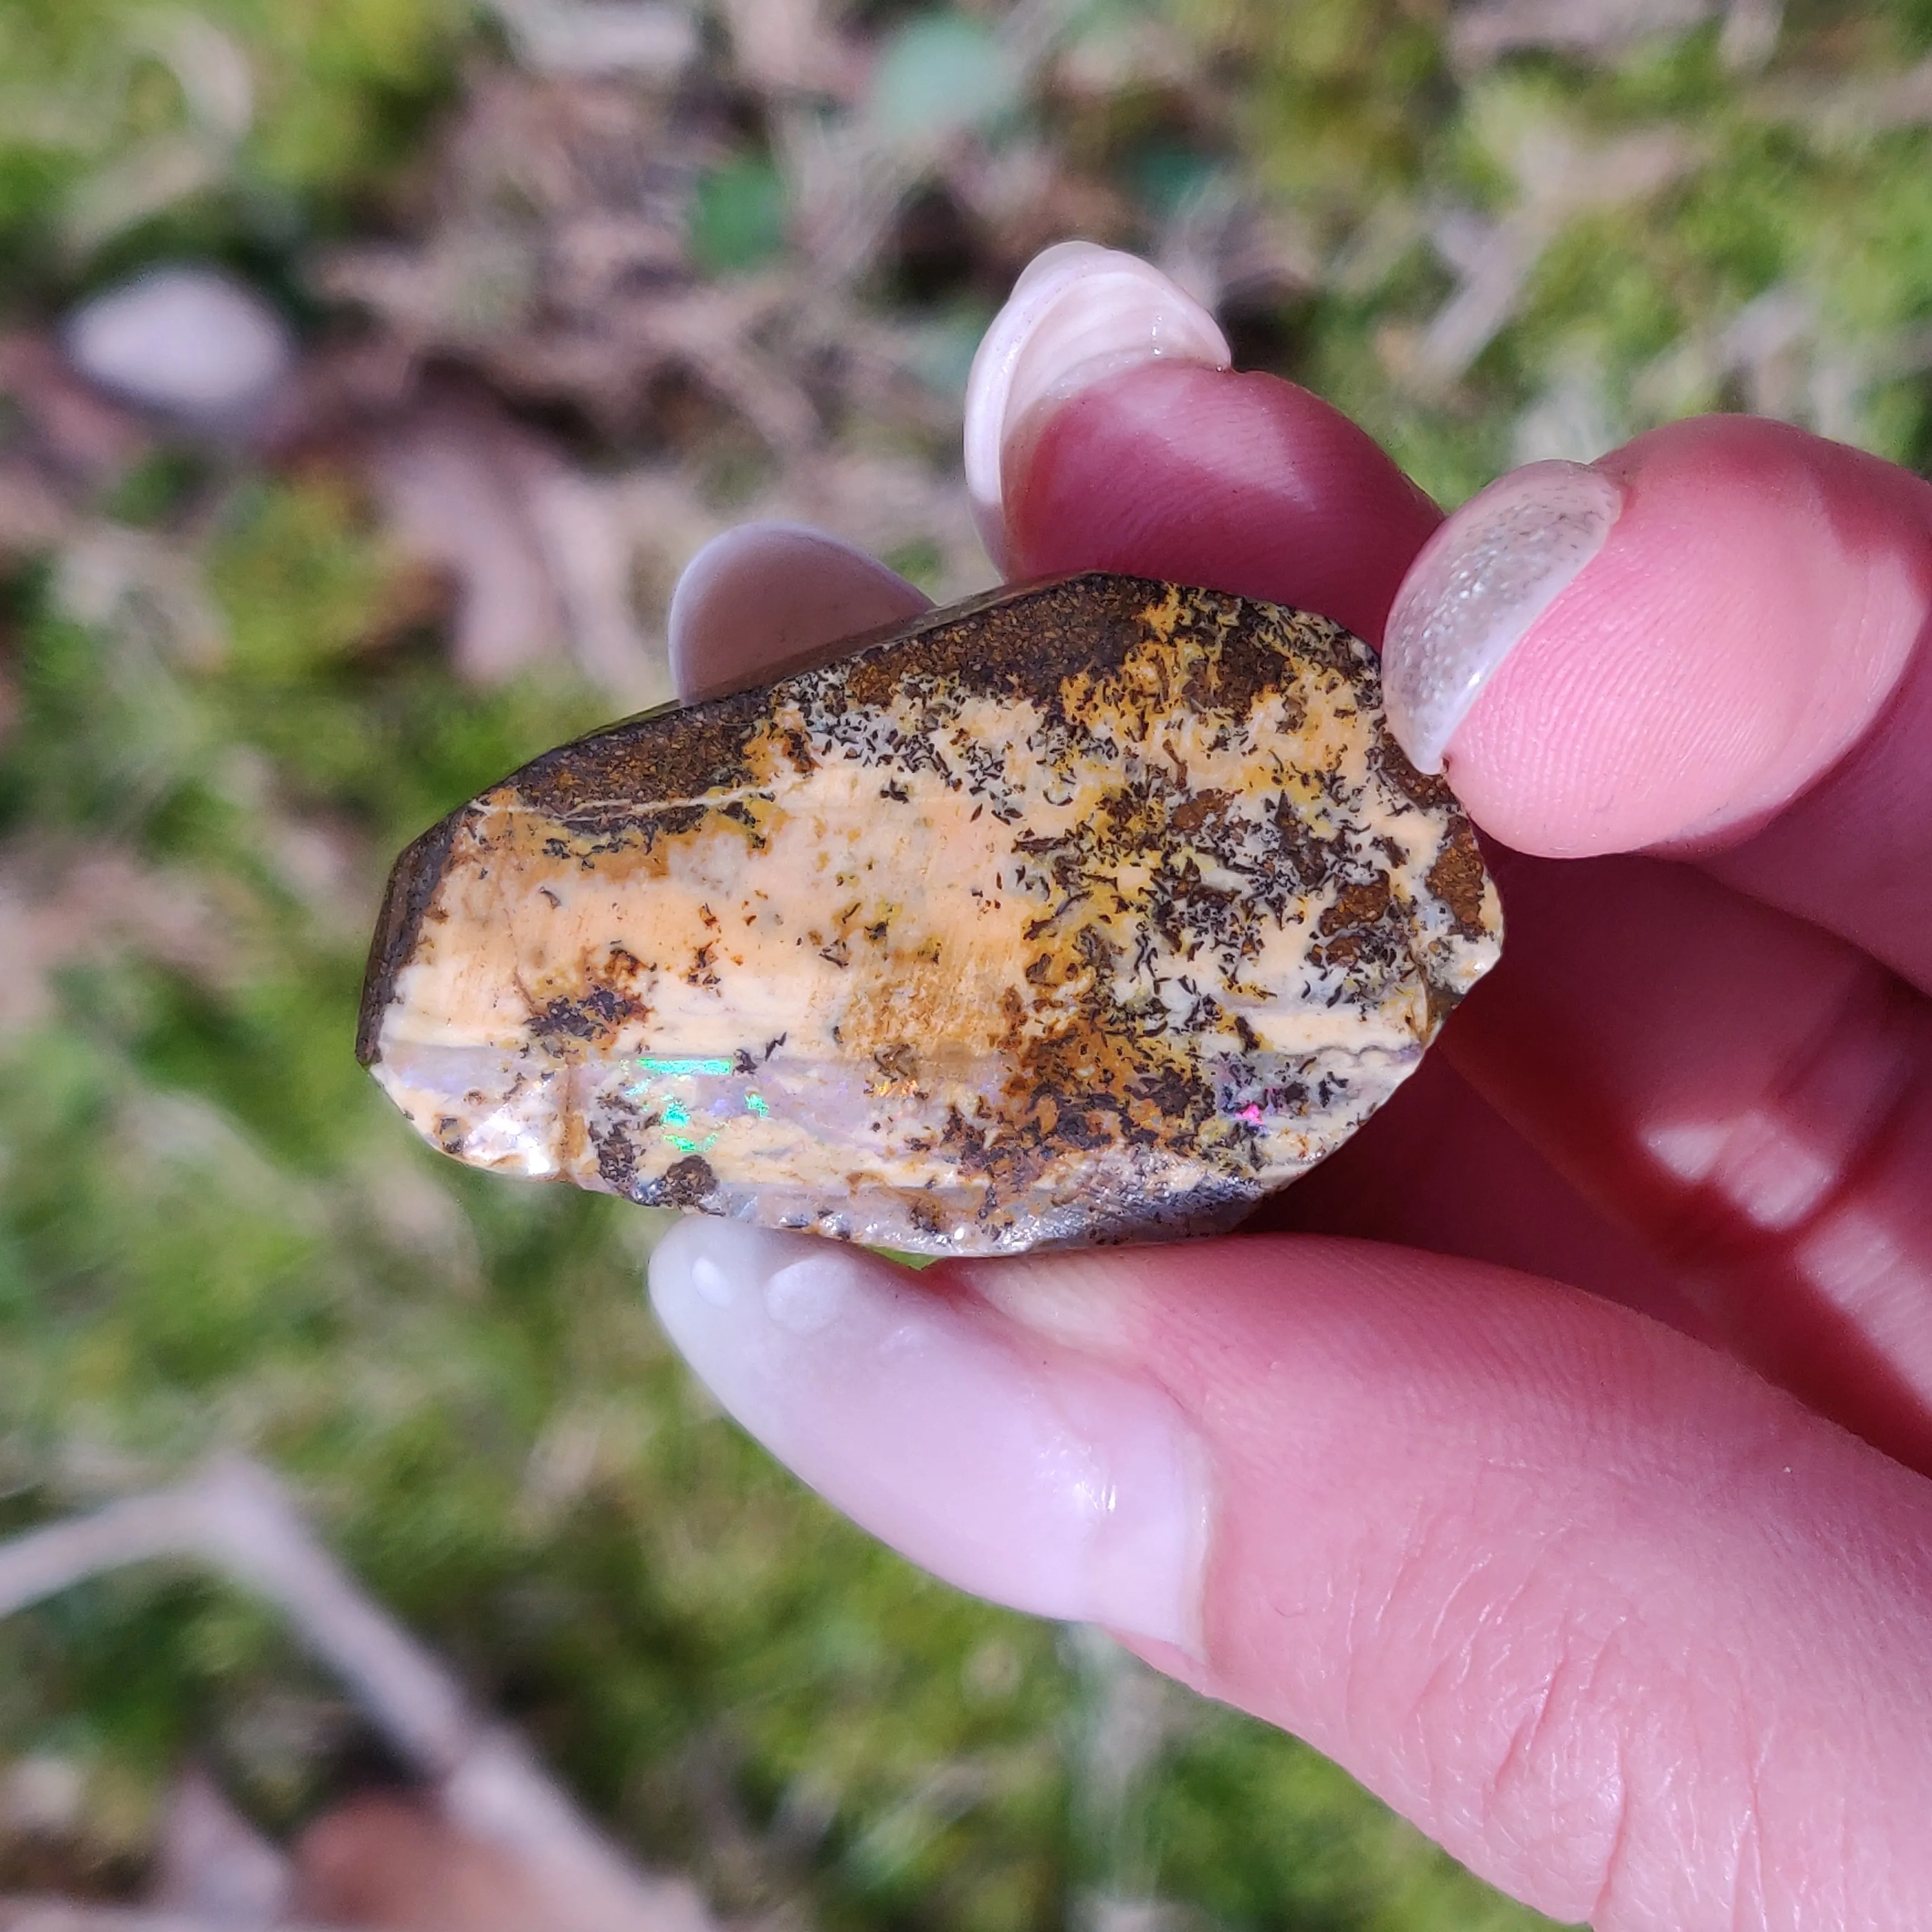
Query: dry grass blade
[(1558, 180), (1483, 34), (61, 1915)]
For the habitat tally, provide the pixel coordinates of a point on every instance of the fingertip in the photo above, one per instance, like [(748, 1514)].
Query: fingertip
[(1483, 580), (1078, 314), (1667, 647), (1105, 429), (1031, 1476), (763, 594)]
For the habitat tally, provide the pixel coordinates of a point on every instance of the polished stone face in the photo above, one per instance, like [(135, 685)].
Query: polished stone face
[(1087, 913)]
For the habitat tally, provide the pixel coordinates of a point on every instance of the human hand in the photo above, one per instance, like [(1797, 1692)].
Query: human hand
[(1519, 1468)]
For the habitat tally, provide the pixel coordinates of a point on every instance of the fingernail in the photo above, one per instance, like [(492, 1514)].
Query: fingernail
[(1010, 1468), (1078, 313), (767, 594), (1480, 582)]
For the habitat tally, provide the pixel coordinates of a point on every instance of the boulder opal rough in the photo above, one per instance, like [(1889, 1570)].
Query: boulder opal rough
[(1087, 912)]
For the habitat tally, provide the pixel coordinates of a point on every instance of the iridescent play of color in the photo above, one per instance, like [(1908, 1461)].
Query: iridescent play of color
[(1088, 912)]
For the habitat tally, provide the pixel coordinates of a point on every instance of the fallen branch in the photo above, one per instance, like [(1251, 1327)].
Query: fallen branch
[(236, 1516)]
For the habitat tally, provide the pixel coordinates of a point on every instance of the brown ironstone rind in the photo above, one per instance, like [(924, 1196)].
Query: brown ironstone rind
[(1089, 912)]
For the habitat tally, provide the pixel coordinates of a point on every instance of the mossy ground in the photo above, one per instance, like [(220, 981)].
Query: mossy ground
[(212, 1230)]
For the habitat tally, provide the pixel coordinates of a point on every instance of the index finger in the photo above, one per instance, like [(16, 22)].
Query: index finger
[(1104, 430)]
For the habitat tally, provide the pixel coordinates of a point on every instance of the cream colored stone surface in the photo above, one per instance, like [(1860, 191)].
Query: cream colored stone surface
[(1093, 913)]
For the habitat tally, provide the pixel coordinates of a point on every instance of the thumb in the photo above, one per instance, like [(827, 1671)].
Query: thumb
[(1629, 1633)]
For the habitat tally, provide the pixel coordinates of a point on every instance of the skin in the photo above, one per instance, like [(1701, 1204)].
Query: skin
[(1571, 1428)]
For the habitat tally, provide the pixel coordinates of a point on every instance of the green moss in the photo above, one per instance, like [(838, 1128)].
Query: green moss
[(737, 215), (1778, 190), (127, 132)]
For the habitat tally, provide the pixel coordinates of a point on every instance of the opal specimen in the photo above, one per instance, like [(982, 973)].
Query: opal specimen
[(1087, 912)]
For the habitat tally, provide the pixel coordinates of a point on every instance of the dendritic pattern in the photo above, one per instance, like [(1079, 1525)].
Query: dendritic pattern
[(1088, 912)]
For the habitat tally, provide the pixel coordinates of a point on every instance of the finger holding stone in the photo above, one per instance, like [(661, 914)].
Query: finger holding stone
[(1452, 1191), (1048, 1482), (1393, 1502), (1710, 641), (766, 594), (1104, 430), (1574, 1594)]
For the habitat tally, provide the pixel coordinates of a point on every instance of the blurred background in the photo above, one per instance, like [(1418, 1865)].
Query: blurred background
[(368, 369)]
